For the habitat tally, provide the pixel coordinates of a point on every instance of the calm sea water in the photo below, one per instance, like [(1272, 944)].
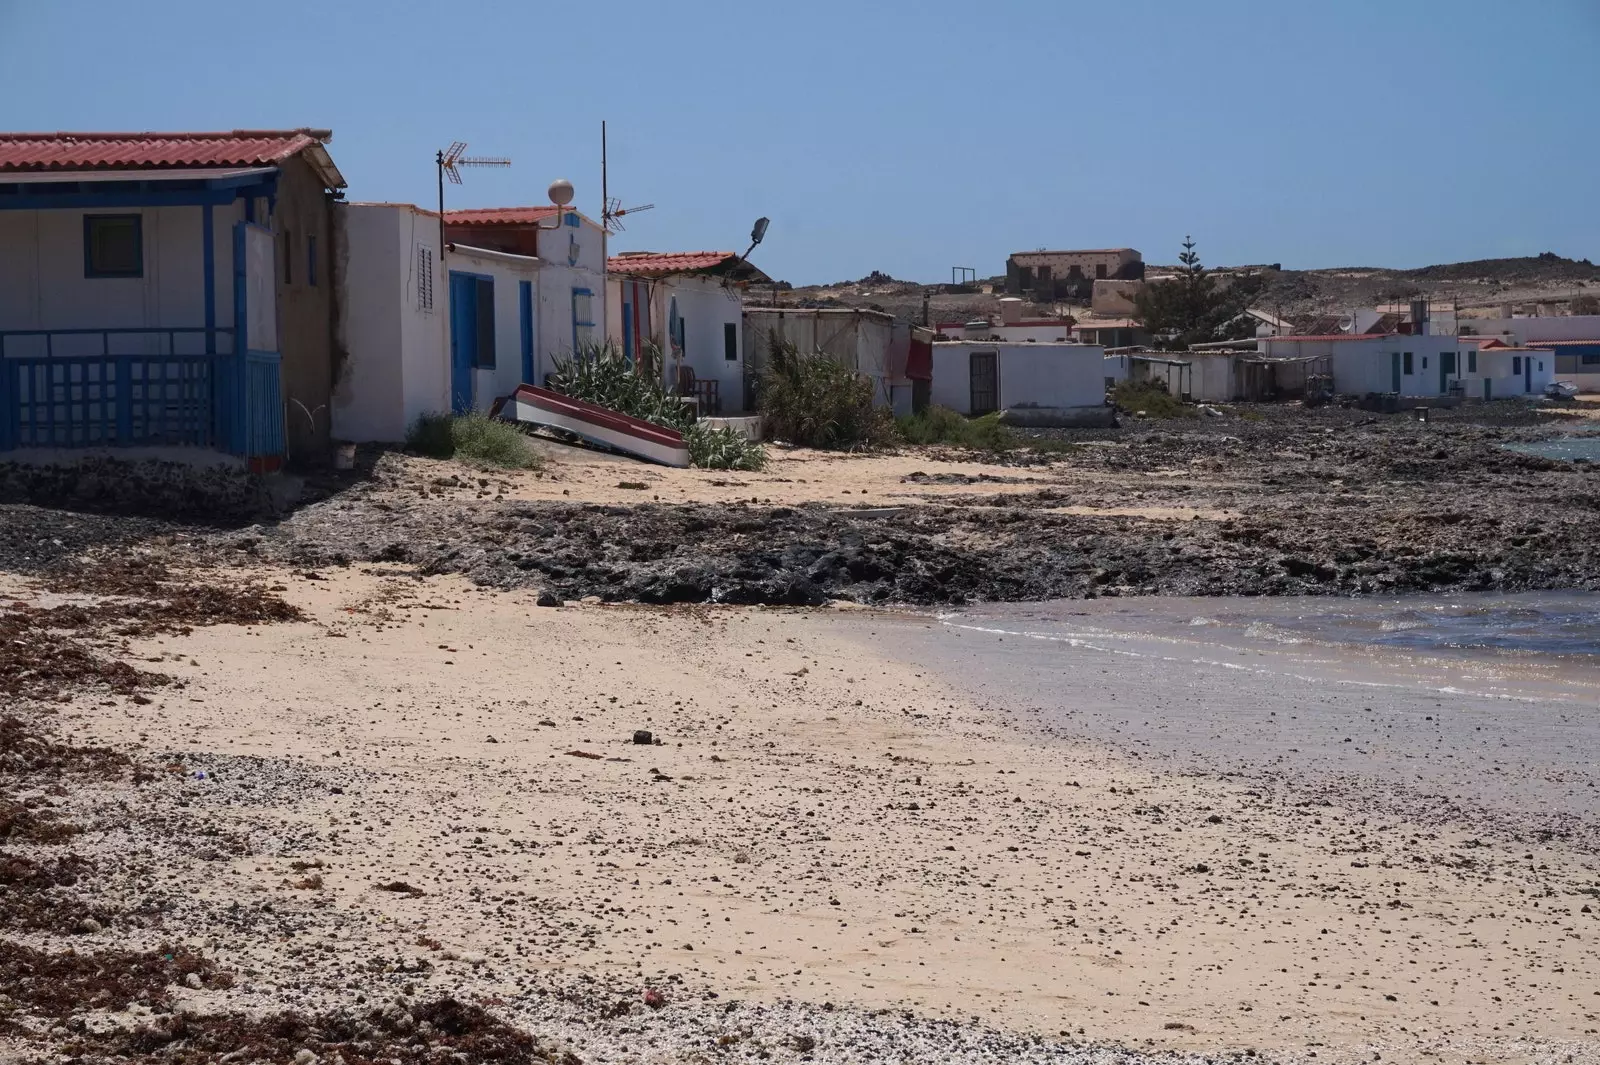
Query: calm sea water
[(1489, 701), (1568, 448)]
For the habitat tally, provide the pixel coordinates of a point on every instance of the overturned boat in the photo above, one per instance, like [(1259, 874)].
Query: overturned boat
[(595, 424)]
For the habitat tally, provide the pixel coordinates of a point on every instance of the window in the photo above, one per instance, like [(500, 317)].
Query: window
[(484, 357), (730, 341), (1590, 360), (1516, 364), (1100, 271), (1424, 362), (311, 261), (582, 318), (113, 245), (1472, 360), (1405, 359), (1541, 366), (424, 279), (288, 258)]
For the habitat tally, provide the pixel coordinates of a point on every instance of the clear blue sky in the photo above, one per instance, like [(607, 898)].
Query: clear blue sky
[(898, 136)]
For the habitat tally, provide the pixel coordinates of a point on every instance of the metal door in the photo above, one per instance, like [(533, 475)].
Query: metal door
[(1488, 389), (1447, 366), (1527, 374), (1394, 370), (985, 381), (463, 339)]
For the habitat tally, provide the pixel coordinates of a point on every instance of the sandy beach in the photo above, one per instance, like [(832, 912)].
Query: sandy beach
[(815, 820)]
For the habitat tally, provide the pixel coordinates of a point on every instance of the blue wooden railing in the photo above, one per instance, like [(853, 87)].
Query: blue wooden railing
[(72, 388)]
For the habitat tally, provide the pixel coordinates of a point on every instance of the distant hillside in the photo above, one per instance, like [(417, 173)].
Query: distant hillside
[(1480, 288)]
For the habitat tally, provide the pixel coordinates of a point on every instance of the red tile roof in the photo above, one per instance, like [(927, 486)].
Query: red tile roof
[(661, 263), (502, 216), (123, 151), (1562, 343)]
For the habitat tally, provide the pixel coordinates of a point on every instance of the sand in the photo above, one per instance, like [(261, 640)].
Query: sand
[(816, 822)]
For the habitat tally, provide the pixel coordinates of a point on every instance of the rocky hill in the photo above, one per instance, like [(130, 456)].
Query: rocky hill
[(1479, 288)]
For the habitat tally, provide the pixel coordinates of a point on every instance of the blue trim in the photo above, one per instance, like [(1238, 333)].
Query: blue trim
[(209, 256), (97, 201), (88, 246), (525, 307), (250, 207)]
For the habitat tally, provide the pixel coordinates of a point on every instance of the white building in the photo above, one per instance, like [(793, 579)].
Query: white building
[(1011, 327), (1417, 366), (690, 305), (422, 336), (980, 378)]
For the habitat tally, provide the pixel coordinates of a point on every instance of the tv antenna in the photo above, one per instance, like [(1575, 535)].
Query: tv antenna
[(611, 209), (449, 162)]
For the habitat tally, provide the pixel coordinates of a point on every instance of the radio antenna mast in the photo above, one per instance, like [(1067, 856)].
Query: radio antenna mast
[(449, 161)]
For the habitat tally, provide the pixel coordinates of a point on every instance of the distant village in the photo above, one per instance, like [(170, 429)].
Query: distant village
[(222, 292)]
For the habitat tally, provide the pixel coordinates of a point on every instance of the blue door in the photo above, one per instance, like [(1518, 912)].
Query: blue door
[(1527, 374), (463, 339), (1394, 370), (525, 310)]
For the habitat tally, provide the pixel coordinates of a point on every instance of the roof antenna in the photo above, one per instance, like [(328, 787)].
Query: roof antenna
[(611, 209), (448, 161)]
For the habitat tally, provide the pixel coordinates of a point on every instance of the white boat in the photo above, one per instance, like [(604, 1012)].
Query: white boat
[(596, 424)]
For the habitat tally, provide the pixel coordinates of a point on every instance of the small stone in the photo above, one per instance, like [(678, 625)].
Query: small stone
[(90, 926), (193, 980), (303, 1056), (547, 599), (642, 736)]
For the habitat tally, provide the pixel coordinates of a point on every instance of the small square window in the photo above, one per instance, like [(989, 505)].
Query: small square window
[(113, 245)]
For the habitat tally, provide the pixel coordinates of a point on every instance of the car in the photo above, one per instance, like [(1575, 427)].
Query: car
[(1561, 390)]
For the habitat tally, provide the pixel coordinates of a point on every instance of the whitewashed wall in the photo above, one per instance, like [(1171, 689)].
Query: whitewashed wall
[(1530, 330), (706, 308), (1039, 375), (397, 366), (42, 282), (507, 273)]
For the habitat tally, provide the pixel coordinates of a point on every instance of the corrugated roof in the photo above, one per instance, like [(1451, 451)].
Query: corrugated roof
[(660, 263), (502, 216), (124, 151), (1334, 336)]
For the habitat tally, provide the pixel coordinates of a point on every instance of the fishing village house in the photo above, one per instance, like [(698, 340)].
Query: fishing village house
[(690, 307), (514, 291), (167, 292), (1420, 365)]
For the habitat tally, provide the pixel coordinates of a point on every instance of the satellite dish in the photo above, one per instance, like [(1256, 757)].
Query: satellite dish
[(758, 231), (561, 192)]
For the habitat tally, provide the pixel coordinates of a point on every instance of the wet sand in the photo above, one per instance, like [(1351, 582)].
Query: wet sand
[(826, 819)]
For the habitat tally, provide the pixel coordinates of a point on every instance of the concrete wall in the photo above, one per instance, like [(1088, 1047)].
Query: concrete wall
[(1211, 377), (1030, 375), (1366, 364), (1502, 369), (42, 282), (1529, 330), (1114, 299), (397, 364), (305, 310)]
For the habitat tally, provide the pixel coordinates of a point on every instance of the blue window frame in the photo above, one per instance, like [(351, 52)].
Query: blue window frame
[(525, 313), (582, 318), (113, 245)]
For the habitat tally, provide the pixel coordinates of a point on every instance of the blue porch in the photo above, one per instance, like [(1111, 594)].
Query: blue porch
[(69, 380)]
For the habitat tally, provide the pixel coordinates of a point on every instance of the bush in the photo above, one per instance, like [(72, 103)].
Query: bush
[(1152, 398), (475, 438), (811, 400), (603, 375), (941, 425)]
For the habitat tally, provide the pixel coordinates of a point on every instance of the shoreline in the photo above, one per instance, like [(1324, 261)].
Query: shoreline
[(824, 821)]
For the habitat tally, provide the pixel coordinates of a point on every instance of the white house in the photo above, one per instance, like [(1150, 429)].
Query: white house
[(1416, 366), (423, 334), (167, 290), (979, 378), (690, 305), (1011, 327)]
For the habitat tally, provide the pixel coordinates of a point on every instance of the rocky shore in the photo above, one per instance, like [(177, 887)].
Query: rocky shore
[(1332, 503)]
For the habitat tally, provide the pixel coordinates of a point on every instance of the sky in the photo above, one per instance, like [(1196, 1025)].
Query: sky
[(908, 137)]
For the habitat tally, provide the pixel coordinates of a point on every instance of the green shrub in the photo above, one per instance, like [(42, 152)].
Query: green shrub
[(1152, 398), (603, 375), (811, 400), (941, 425), (475, 438)]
